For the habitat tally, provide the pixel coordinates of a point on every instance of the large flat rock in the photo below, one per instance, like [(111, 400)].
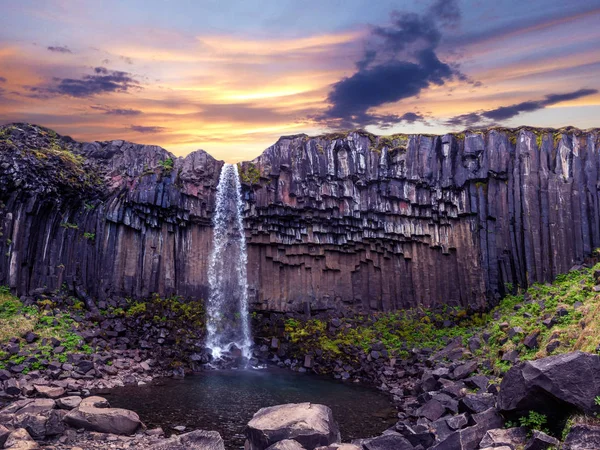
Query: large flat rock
[(311, 425)]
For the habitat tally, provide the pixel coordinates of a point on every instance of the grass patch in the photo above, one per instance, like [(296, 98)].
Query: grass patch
[(16, 320), (565, 313)]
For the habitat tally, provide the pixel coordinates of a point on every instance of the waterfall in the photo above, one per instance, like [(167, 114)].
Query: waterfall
[(227, 309)]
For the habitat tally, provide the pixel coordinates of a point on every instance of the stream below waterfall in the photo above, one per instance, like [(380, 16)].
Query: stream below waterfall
[(226, 400)]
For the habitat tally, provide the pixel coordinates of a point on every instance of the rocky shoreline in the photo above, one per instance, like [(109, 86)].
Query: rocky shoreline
[(445, 401)]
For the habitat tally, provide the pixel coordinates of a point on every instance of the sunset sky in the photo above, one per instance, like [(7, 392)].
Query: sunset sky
[(230, 77)]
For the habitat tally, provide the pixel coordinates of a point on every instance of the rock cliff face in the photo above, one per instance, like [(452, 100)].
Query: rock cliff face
[(344, 221)]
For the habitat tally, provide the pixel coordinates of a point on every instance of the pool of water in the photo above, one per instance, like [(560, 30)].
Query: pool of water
[(226, 400)]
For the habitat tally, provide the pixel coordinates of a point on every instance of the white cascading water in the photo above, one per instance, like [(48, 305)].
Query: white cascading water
[(227, 322)]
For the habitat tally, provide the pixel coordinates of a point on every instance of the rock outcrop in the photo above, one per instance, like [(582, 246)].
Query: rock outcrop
[(345, 221)]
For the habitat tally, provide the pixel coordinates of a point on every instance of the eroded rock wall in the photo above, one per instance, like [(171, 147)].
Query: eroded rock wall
[(348, 221), (385, 223), (142, 225)]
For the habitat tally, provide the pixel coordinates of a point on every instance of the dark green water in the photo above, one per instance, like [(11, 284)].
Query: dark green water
[(226, 400)]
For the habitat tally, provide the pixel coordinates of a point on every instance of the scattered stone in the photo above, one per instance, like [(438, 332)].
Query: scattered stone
[(287, 444), (581, 437), (392, 441), (340, 447), (431, 410), (4, 433), (512, 332), (510, 437), (476, 403), (531, 341), (20, 440), (511, 356), (464, 370), (552, 345), (194, 440), (68, 403), (49, 391), (457, 422)]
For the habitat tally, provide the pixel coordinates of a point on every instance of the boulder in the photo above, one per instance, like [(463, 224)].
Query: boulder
[(30, 406), (458, 421), (464, 370), (555, 383), (287, 444), (4, 433), (476, 403), (310, 424), (35, 424), (69, 403), (431, 410), (340, 447), (20, 440), (91, 416), (582, 437), (390, 441), (49, 391), (195, 440), (511, 437)]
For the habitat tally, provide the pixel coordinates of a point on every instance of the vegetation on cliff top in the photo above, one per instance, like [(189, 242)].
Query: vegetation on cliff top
[(44, 150)]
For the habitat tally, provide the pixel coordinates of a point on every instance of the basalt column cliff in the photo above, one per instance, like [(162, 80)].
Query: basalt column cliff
[(350, 221)]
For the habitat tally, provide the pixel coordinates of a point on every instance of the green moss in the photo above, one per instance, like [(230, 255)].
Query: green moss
[(16, 320), (167, 164), (557, 138), (400, 331), (249, 173), (68, 225), (138, 308), (89, 236)]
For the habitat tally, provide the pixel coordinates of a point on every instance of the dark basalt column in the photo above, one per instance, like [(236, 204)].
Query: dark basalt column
[(343, 222)]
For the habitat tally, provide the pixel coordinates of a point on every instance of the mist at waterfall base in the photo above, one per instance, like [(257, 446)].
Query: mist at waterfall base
[(226, 400), (227, 325)]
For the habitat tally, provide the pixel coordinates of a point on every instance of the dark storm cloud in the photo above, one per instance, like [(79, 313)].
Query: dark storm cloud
[(507, 112), (464, 120), (59, 49), (102, 81), (117, 111), (399, 61), (411, 117), (143, 129)]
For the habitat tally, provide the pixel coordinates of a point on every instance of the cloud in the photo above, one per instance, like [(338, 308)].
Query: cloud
[(117, 111), (149, 129), (2, 80), (60, 49), (102, 81), (399, 62), (508, 112)]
